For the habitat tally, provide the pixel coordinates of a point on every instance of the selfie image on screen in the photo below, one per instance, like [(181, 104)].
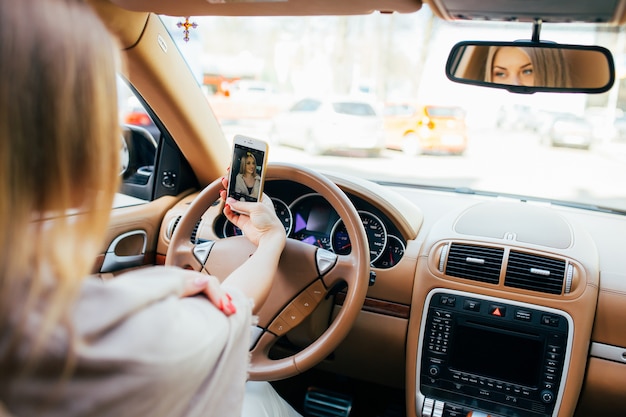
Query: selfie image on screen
[(246, 173)]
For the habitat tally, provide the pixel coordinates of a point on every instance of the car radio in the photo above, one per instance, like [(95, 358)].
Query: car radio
[(491, 356)]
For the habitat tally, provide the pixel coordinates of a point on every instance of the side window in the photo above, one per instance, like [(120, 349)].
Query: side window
[(151, 163), (140, 138)]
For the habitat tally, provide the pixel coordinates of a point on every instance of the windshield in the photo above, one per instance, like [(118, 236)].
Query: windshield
[(430, 132)]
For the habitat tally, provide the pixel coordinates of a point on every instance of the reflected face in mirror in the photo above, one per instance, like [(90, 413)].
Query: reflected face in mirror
[(512, 65), (527, 67)]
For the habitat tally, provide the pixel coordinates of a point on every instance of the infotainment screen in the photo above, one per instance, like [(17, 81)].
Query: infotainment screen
[(508, 356), (491, 355)]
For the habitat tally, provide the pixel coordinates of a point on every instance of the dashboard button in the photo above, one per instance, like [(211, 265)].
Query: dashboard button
[(279, 327), (554, 349), (471, 305), (548, 320), (547, 396), (496, 310), (305, 303), (317, 291), (552, 362), (523, 315), (511, 399), (446, 300), (292, 316), (433, 370)]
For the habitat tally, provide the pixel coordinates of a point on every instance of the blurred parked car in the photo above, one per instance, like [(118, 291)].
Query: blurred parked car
[(570, 130), (330, 124), (517, 117), (425, 129), (250, 87)]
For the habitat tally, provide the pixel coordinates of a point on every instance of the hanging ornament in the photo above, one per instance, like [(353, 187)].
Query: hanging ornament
[(187, 25)]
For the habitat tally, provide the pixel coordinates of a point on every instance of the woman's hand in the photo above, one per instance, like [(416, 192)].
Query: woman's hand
[(209, 286), (256, 220), (261, 226)]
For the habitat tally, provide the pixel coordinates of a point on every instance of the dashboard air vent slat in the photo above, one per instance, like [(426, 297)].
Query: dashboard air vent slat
[(172, 226), (194, 232), (536, 273), (478, 263)]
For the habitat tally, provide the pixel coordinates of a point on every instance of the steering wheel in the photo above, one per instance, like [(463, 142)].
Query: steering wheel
[(304, 277)]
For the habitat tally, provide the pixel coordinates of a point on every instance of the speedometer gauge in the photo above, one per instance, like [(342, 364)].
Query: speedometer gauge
[(374, 229), (392, 253)]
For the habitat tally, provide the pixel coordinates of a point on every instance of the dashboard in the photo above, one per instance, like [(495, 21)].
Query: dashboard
[(429, 247)]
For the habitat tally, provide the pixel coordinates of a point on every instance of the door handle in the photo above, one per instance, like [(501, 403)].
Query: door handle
[(126, 250)]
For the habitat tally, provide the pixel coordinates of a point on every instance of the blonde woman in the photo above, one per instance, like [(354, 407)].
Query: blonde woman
[(532, 66), (248, 182), (73, 345)]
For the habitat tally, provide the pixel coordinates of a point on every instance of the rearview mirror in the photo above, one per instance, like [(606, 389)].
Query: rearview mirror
[(529, 67)]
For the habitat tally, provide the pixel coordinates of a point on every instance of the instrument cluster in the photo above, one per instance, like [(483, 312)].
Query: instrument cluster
[(309, 217)]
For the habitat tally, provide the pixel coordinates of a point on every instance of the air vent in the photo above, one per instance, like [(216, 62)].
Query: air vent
[(194, 232), (172, 226), (536, 273), (478, 263)]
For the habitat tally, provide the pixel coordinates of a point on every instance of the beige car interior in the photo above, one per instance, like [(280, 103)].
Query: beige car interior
[(379, 331)]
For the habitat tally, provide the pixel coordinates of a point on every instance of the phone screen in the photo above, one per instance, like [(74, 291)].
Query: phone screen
[(246, 175)]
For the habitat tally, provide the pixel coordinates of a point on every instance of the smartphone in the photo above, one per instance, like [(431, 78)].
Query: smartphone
[(247, 168)]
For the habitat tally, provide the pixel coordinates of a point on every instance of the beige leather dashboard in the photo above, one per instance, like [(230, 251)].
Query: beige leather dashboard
[(593, 292)]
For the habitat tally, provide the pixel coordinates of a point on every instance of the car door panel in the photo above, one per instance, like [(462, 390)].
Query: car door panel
[(132, 236)]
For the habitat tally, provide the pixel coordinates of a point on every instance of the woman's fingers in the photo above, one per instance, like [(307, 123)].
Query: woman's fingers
[(219, 297), (210, 286)]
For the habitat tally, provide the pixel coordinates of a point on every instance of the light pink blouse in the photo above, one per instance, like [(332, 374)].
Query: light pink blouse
[(142, 351)]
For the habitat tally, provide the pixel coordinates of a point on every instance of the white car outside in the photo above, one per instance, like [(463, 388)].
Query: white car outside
[(328, 125)]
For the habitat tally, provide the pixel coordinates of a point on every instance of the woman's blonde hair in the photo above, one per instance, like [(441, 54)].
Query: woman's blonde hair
[(59, 152), (550, 67)]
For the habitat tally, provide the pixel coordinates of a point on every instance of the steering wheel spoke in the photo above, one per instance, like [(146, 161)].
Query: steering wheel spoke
[(184, 256), (342, 272), (202, 250)]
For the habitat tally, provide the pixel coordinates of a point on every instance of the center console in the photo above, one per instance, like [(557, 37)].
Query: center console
[(491, 357)]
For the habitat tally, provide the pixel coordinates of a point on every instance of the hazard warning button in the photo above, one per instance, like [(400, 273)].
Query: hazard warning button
[(498, 311)]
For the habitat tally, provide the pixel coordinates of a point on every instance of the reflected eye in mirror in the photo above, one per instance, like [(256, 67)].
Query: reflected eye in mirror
[(528, 67)]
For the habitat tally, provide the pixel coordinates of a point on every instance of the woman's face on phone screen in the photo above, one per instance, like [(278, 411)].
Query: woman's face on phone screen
[(250, 165)]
